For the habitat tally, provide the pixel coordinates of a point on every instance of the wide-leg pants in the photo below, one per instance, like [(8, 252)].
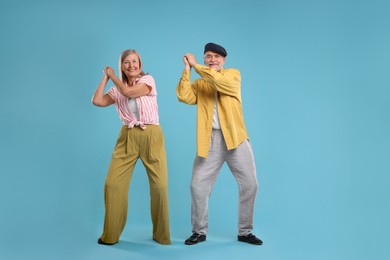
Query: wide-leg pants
[(205, 173), (134, 143)]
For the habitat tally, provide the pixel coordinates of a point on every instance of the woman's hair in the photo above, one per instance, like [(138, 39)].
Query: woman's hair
[(122, 75)]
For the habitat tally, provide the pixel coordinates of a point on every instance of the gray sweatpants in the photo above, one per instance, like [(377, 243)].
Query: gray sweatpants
[(205, 173)]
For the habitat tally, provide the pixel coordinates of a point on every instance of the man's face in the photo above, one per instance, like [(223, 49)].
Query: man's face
[(214, 60)]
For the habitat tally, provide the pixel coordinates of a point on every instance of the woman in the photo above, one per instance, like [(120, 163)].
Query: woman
[(135, 98)]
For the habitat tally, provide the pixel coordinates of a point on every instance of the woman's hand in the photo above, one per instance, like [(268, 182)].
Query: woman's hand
[(109, 71)]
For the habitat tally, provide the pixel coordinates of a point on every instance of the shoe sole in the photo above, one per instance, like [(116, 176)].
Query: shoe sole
[(244, 241), (104, 243)]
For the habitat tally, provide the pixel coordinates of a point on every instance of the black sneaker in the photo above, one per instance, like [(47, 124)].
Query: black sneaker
[(251, 239), (195, 239)]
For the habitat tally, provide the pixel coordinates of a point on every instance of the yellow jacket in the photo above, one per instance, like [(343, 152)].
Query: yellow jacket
[(227, 83)]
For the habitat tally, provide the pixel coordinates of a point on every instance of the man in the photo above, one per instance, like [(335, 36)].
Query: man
[(221, 137)]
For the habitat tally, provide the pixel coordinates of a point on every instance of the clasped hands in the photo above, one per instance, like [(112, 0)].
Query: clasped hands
[(189, 60), (108, 71)]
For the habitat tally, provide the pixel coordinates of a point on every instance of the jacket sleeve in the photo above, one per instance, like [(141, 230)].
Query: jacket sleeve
[(228, 81), (186, 92)]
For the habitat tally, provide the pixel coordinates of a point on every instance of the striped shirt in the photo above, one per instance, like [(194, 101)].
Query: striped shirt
[(147, 105)]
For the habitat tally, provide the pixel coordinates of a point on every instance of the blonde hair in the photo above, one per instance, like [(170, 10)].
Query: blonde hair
[(122, 75)]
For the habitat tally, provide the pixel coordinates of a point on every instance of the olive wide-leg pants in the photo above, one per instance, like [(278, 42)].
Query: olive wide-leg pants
[(134, 143)]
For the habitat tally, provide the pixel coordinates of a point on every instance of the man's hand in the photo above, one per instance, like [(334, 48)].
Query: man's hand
[(191, 59), (186, 64)]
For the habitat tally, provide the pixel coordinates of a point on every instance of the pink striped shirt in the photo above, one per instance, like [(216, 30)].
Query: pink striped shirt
[(147, 105)]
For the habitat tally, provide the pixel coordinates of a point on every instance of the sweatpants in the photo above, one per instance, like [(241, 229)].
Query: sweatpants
[(148, 145), (205, 172)]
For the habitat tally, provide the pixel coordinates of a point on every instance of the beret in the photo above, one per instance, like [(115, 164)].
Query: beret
[(215, 48)]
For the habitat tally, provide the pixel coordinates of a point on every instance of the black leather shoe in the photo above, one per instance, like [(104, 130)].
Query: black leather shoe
[(195, 239), (100, 241), (251, 239)]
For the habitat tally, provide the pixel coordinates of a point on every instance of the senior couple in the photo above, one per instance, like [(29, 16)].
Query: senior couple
[(221, 137)]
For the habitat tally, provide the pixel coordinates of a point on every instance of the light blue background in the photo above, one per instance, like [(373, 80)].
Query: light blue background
[(315, 87)]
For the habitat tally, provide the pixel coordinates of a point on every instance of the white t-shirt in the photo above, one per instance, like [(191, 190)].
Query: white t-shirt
[(216, 124), (134, 108)]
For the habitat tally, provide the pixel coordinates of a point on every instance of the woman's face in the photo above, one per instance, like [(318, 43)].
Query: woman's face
[(131, 66)]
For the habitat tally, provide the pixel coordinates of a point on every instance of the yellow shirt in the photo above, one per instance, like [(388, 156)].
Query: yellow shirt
[(227, 83)]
